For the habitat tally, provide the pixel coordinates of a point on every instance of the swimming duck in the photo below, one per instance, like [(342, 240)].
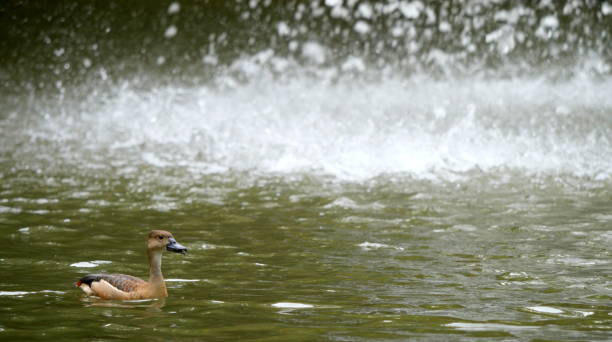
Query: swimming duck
[(125, 287)]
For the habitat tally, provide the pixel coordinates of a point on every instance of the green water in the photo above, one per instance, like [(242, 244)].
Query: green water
[(340, 170), (378, 261)]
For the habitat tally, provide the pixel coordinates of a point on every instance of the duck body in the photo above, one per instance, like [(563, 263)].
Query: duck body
[(118, 286), (127, 287)]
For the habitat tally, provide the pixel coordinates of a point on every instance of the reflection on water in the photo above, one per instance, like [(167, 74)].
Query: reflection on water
[(150, 305)]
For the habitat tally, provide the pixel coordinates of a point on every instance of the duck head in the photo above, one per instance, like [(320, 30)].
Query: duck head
[(161, 239)]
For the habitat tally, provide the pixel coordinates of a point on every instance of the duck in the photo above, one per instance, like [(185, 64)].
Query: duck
[(127, 287)]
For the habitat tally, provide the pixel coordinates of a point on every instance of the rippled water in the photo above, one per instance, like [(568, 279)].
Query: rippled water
[(312, 260), (341, 171)]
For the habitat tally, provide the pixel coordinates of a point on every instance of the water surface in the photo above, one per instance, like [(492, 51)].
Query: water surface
[(313, 260), (339, 170)]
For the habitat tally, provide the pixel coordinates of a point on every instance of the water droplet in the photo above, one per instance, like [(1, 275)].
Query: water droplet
[(59, 52), (174, 8), (171, 31)]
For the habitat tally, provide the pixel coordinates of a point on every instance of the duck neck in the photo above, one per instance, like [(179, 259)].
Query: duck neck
[(155, 273)]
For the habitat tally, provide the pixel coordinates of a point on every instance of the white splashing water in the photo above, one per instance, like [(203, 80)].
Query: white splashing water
[(350, 130)]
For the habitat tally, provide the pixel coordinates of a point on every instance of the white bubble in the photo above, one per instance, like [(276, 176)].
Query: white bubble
[(445, 27), (550, 21), (90, 264), (333, 3), (362, 27), (365, 10), (544, 309), (397, 31), (314, 51), (13, 293), (174, 8), (285, 305), (171, 31), (283, 29), (210, 59), (353, 64), (103, 74), (293, 45), (411, 10)]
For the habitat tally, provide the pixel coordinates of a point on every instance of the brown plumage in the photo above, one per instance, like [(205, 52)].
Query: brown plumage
[(122, 286)]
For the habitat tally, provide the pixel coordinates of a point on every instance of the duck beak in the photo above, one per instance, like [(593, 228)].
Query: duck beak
[(175, 247)]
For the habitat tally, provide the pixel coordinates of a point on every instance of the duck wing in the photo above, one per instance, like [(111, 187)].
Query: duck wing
[(122, 282)]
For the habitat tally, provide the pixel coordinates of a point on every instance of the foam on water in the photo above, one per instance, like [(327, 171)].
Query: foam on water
[(23, 293), (544, 309), (14, 293), (89, 264), (489, 326), (287, 305), (334, 88), (351, 130), (367, 246)]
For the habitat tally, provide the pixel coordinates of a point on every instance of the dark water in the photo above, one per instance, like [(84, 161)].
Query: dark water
[(340, 171)]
